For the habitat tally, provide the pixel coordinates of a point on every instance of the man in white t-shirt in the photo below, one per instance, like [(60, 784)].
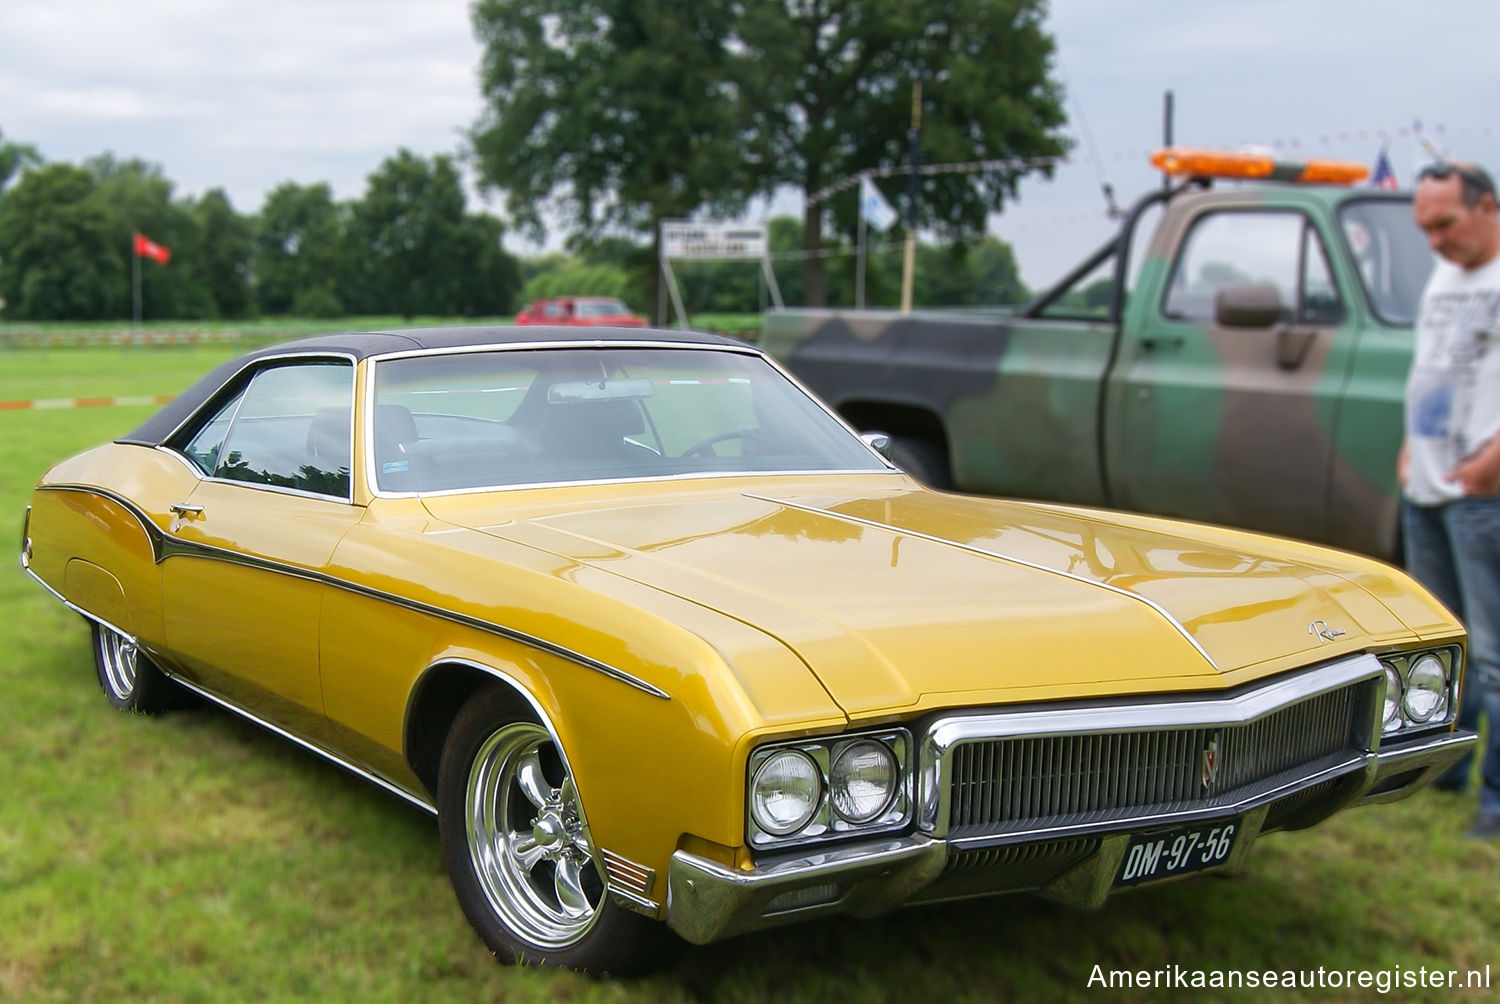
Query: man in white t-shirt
[(1449, 466)]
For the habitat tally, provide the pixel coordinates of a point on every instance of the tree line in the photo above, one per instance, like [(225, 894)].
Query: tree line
[(407, 246)]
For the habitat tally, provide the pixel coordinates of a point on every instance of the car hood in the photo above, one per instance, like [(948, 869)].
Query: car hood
[(898, 597)]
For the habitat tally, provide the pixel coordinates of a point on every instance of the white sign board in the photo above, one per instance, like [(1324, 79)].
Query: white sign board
[(720, 241)]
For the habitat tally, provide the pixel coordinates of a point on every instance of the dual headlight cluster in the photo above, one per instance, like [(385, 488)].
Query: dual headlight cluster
[(811, 789), (1420, 688)]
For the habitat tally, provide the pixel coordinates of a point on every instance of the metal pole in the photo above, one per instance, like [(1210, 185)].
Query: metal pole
[(135, 284), (1166, 133), (859, 268), (909, 259)]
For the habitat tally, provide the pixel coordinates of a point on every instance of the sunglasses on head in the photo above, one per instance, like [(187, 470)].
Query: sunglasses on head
[(1476, 179)]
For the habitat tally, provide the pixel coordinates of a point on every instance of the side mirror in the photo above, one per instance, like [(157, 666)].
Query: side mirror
[(1247, 305), (880, 442)]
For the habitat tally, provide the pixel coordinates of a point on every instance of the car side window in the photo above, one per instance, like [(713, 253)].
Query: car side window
[(292, 429), (203, 449), (1237, 246)]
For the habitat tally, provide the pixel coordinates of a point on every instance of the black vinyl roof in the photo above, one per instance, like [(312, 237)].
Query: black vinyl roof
[(362, 344)]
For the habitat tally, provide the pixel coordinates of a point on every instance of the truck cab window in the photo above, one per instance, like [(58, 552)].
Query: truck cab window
[(1236, 246)]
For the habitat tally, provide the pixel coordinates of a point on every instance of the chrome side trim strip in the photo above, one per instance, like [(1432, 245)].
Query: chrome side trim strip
[(163, 547), (1178, 625), (79, 610), (308, 745)]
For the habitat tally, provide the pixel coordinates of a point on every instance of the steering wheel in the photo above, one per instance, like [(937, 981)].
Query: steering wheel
[(705, 446)]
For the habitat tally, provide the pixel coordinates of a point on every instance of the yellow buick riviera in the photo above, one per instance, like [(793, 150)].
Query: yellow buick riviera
[(667, 648)]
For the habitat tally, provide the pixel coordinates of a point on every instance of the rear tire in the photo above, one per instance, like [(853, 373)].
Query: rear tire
[(922, 459), (128, 677), (519, 852)]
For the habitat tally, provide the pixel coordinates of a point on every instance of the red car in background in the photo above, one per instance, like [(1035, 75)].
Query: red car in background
[(581, 310)]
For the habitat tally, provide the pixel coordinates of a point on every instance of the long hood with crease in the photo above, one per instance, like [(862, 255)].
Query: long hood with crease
[(899, 598)]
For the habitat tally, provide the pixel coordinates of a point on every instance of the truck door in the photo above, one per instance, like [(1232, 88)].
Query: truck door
[(1215, 417)]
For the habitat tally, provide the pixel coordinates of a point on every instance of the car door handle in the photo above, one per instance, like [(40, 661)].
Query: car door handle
[(183, 509), (1163, 342)]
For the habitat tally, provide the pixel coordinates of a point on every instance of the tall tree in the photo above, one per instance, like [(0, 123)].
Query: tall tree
[(841, 76), (61, 262), (221, 265), (299, 246), (410, 223), (613, 113), (620, 113)]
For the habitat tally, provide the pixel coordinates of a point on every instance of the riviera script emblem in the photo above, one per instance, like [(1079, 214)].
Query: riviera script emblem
[(1323, 631), (1210, 772)]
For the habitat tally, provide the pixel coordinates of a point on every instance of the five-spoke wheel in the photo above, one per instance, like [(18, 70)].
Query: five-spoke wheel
[(519, 851)]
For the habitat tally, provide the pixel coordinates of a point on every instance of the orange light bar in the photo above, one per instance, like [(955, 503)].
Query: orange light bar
[(1256, 166), (1213, 163)]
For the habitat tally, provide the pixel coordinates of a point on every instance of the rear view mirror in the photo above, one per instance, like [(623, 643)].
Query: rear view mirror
[(1247, 305), (572, 391)]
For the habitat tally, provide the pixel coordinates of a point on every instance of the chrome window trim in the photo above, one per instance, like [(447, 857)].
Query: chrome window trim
[(367, 433), (935, 766), (164, 546), (655, 479), (194, 415), (876, 524)]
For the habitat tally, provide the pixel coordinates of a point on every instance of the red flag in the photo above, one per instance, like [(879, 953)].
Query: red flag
[(145, 247)]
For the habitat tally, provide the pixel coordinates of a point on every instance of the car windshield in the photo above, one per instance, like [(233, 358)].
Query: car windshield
[(1393, 257), (599, 308), (541, 416)]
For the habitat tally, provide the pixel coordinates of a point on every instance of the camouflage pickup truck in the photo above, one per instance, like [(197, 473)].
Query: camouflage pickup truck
[(1247, 368)]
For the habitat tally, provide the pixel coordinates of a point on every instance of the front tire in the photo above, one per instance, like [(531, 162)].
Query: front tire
[(128, 677), (519, 852)]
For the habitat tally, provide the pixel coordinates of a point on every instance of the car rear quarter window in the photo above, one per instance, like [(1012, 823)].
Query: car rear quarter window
[(291, 428)]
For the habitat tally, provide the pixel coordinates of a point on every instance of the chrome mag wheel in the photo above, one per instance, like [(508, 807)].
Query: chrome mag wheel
[(117, 664), (528, 841)]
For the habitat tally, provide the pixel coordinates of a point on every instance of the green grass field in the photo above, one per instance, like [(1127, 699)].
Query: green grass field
[(195, 857)]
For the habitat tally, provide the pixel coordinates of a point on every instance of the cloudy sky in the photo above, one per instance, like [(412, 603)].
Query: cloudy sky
[(244, 95)]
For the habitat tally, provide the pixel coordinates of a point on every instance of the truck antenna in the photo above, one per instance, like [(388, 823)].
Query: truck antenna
[(1111, 206)]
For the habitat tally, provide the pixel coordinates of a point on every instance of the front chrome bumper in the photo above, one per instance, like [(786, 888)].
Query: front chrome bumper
[(707, 901)]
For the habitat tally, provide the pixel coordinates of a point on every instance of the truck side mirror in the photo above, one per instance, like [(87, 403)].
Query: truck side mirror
[(1247, 305)]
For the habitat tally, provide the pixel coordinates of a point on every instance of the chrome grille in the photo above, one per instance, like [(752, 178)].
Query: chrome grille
[(1008, 784)]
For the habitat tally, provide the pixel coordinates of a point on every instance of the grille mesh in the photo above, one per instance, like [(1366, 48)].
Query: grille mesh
[(1000, 785)]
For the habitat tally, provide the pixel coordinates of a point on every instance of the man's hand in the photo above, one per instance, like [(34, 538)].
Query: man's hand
[(1479, 473), (1403, 466)]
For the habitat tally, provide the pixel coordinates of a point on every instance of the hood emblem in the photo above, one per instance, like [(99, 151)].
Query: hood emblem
[(1210, 772), (1323, 631)]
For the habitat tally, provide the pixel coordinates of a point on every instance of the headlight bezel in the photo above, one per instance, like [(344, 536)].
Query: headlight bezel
[(826, 823), (1449, 659)]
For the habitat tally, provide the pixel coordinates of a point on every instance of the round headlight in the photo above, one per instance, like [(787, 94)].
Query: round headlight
[(863, 781), (785, 792), (1392, 719), (1426, 690)]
